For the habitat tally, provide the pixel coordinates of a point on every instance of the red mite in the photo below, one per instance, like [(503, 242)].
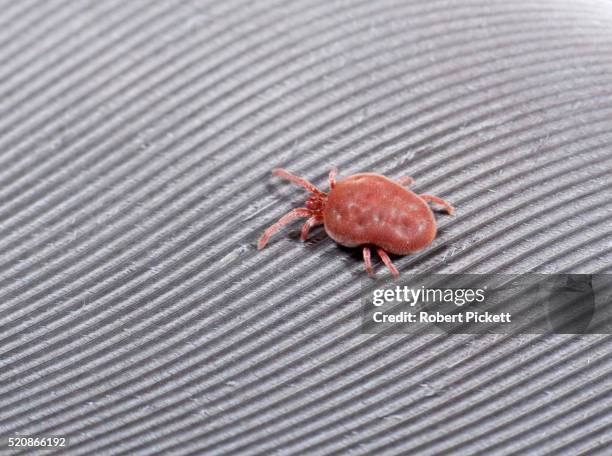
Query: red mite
[(366, 209)]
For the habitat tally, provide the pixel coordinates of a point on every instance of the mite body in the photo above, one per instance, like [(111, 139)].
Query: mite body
[(368, 210)]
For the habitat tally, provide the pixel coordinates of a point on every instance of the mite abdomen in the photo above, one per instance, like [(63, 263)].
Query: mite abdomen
[(372, 209)]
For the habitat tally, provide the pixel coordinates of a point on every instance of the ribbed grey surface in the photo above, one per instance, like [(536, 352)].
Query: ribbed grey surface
[(136, 143)]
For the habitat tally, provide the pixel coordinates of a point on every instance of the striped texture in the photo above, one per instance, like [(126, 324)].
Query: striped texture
[(136, 143)]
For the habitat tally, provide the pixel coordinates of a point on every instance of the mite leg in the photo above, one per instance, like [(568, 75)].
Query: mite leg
[(367, 259), (284, 220), (383, 255), (297, 180), (332, 177), (406, 180), (434, 199), (312, 221)]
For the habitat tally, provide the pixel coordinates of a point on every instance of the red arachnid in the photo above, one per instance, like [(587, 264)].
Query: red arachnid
[(366, 209)]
